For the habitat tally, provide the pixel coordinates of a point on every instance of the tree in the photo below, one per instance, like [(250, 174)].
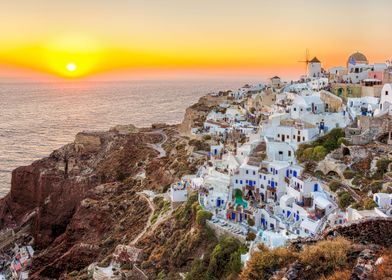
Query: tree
[(221, 256)]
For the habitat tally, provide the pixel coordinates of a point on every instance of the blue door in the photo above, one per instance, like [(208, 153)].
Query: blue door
[(233, 216), (316, 187), (295, 173), (288, 213)]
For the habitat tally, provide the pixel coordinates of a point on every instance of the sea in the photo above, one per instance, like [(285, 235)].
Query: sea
[(39, 117)]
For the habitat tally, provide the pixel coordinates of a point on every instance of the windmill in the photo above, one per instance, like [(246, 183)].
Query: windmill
[(306, 61)]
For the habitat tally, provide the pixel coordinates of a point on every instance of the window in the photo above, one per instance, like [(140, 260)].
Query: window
[(295, 109), (241, 182), (247, 172), (289, 152), (247, 181), (303, 138), (278, 135), (386, 92), (254, 172), (280, 153), (236, 181)]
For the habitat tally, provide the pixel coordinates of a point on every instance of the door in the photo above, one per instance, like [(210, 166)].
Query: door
[(283, 137)]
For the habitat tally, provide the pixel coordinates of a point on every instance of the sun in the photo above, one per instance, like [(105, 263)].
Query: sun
[(71, 67)]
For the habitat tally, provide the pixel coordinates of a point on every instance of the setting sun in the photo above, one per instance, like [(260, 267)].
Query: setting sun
[(71, 67)]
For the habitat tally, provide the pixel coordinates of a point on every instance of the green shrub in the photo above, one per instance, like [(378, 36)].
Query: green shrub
[(349, 174), (221, 257), (345, 199), (344, 141), (251, 222), (202, 216), (382, 166), (369, 204), (237, 193), (319, 153), (334, 185)]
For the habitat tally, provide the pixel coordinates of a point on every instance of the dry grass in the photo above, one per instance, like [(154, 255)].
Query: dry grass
[(265, 262), (326, 256), (384, 271), (339, 275)]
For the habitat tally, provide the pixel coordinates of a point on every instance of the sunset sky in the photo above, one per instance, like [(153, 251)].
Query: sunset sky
[(85, 38)]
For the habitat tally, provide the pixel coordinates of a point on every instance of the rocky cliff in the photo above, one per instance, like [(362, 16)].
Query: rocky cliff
[(83, 200), (196, 114)]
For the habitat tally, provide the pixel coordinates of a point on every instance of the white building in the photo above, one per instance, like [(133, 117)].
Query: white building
[(386, 98), (178, 192), (314, 68)]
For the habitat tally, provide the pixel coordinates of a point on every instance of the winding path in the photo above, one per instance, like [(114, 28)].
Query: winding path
[(148, 224), (158, 146)]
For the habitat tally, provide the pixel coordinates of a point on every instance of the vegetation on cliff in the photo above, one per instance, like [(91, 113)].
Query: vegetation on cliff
[(319, 148)]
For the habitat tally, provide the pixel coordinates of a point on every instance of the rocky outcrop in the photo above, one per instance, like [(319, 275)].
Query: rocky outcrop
[(81, 201), (196, 114)]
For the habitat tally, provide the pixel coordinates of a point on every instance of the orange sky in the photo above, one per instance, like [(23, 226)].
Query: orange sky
[(137, 38)]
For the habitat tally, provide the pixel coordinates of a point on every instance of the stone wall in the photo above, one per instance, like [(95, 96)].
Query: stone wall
[(220, 231), (368, 231), (376, 231)]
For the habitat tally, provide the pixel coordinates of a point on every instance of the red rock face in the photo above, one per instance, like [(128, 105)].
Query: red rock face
[(81, 201), (47, 193)]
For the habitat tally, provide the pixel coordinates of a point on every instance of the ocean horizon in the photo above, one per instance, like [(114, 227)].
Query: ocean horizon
[(39, 117)]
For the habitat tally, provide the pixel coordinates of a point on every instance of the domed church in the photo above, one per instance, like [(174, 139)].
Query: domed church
[(357, 58)]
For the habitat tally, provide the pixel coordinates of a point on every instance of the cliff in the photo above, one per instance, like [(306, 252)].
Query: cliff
[(83, 200), (196, 114)]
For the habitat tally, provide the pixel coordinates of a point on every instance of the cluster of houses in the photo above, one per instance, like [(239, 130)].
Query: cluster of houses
[(16, 263), (252, 173)]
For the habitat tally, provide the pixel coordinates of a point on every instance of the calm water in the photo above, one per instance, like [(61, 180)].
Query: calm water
[(36, 118)]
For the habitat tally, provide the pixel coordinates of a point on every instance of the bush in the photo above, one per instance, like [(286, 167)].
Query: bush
[(334, 186), (221, 257), (265, 262), (348, 174), (319, 153), (326, 256), (202, 216), (237, 193), (251, 236), (382, 166), (251, 222), (343, 141), (345, 199), (369, 204)]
